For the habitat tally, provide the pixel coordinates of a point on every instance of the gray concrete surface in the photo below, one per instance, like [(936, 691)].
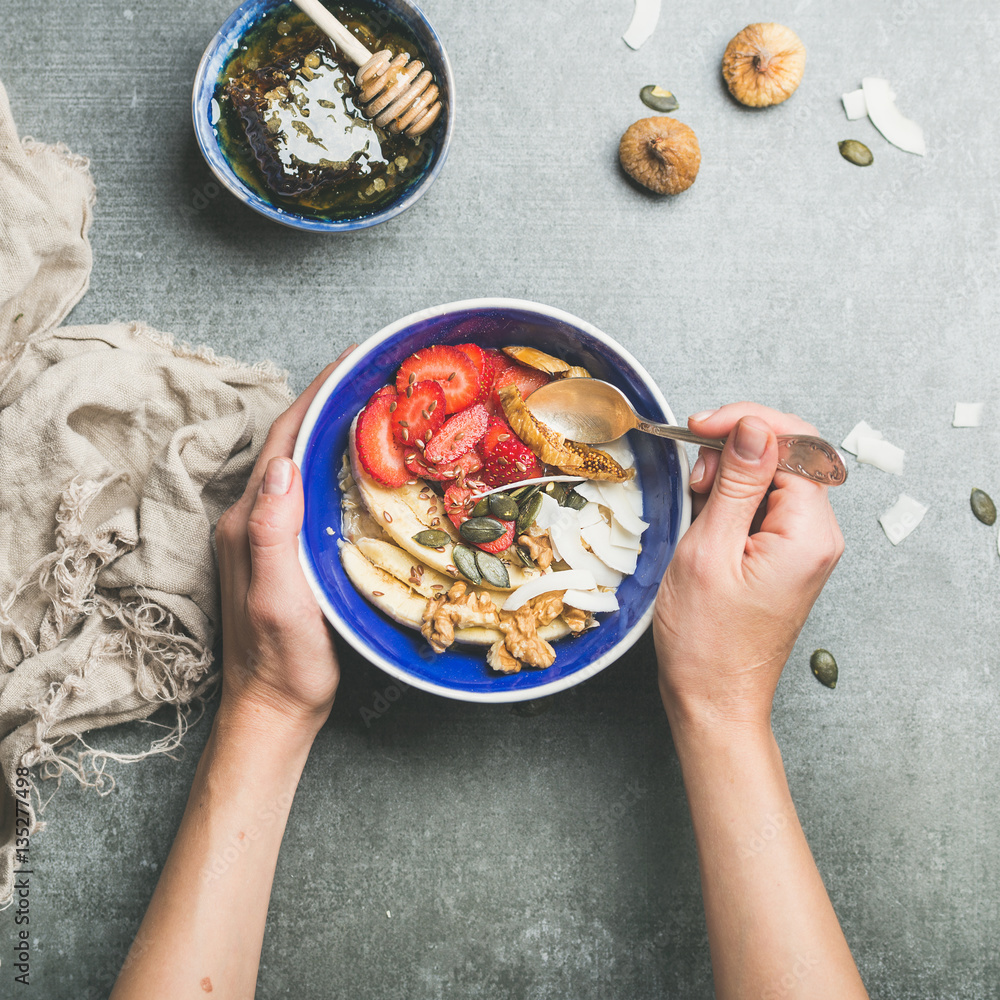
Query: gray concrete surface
[(552, 856)]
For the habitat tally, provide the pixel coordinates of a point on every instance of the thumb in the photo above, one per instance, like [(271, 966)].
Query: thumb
[(746, 468), (273, 528)]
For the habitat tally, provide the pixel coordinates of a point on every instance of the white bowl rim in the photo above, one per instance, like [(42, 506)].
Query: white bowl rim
[(343, 628)]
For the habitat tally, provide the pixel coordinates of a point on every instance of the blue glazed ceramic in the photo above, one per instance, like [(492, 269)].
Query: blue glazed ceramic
[(462, 672), (225, 43)]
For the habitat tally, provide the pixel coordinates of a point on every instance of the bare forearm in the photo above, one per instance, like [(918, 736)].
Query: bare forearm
[(205, 924), (771, 927)]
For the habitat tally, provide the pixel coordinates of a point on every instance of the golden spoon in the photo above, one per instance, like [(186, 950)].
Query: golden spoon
[(591, 411)]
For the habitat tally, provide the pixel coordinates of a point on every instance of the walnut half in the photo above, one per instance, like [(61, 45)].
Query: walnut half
[(456, 609)]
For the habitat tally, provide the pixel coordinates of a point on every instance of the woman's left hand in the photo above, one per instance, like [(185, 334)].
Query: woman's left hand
[(278, 652)]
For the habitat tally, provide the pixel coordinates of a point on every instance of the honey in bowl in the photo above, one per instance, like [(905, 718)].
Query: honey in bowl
[(289, 126)]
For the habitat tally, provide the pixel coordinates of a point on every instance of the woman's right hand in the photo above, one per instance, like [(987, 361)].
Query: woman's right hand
[(732, 603)]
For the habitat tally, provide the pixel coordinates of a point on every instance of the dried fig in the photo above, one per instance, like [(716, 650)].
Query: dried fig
[(763, 64), (661, 154)]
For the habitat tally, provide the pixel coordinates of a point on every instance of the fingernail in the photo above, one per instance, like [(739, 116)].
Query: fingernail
[(278, 476), (698, 472), (751, 441), (704, 415)]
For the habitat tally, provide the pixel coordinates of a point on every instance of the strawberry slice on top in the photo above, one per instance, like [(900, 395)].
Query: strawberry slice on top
[(464, 465), (457, 435), (418, 412), (378, 450), (526, 379), (501, 543), (509, 461), (456, 372), (476, 355)]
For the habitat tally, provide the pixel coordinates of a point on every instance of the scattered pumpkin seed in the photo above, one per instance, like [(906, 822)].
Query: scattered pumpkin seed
[(432, 538), (983, 506), (493, 569), (657, 98), (522, 554), (529, 511), (481, 529), (557, 491), (574, 500), (482, 508), (465, 560), (856, 152), (824, 667), (525, 493), (502, 507)]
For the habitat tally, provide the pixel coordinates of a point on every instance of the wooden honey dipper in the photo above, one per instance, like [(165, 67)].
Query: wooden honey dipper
[(397, 93)]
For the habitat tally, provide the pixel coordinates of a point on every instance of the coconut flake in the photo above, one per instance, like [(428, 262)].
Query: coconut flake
[(615, 497), (590, 515), (565, 532), (900, 519), (620, 450), (859, 431), (882, 111), (881, 454), (967, 415), (644, 18), (854, 105), (591, 600), (624, 539), (571, 579), (598, 537)]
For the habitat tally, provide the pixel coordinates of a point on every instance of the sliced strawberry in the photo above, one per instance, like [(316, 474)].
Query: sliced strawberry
[(501, 543), (526, 379), (476, 355), (457, 373), (510, 461), (380, 453), (458, 503), (386, 390), (497, 430), (494, 362), (464, 465), (457, 435), (418, 412)]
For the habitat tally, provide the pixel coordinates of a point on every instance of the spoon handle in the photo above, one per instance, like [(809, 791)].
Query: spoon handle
[(801, 454)]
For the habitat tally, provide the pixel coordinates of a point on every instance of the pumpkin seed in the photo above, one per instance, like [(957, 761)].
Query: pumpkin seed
[(574, 500), (502, 507), (432, 538), (482, 508), (465, 560), (557, 491), (529, 511), (493, 569), (857, 152), (481, 529), (657, 98), (824, 667), (522, 554), (525, 493), (983, 506)]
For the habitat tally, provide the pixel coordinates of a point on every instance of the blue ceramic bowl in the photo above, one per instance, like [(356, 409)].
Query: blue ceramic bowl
[(461, 672), (204, 115)]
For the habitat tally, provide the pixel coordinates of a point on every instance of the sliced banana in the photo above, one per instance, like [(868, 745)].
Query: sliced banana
[(388, 594), (482, 635), (404, 567)]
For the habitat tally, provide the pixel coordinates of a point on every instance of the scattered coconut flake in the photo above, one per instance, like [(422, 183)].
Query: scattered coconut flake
[(526, 482), (644, 18), (854, 105), (620, 450), (881, 454), (589, 491), (598, 537), (967, 415), (860, 430), (900, 519), (882, 111), (549, 512), (570, 579), (591, 600)]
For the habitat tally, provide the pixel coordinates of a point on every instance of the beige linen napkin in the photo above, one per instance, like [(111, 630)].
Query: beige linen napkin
[(118, 452)]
